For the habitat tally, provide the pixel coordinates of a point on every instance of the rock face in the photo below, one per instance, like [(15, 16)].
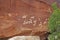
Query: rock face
[(22, 17)]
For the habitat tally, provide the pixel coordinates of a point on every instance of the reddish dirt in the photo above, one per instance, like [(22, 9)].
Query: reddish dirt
[(23, 17)]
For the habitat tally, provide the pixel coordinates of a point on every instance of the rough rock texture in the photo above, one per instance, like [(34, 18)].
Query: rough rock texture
[(23, 17)]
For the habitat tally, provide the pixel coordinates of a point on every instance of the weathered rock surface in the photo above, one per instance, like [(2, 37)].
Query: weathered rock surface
[(23, 17)]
